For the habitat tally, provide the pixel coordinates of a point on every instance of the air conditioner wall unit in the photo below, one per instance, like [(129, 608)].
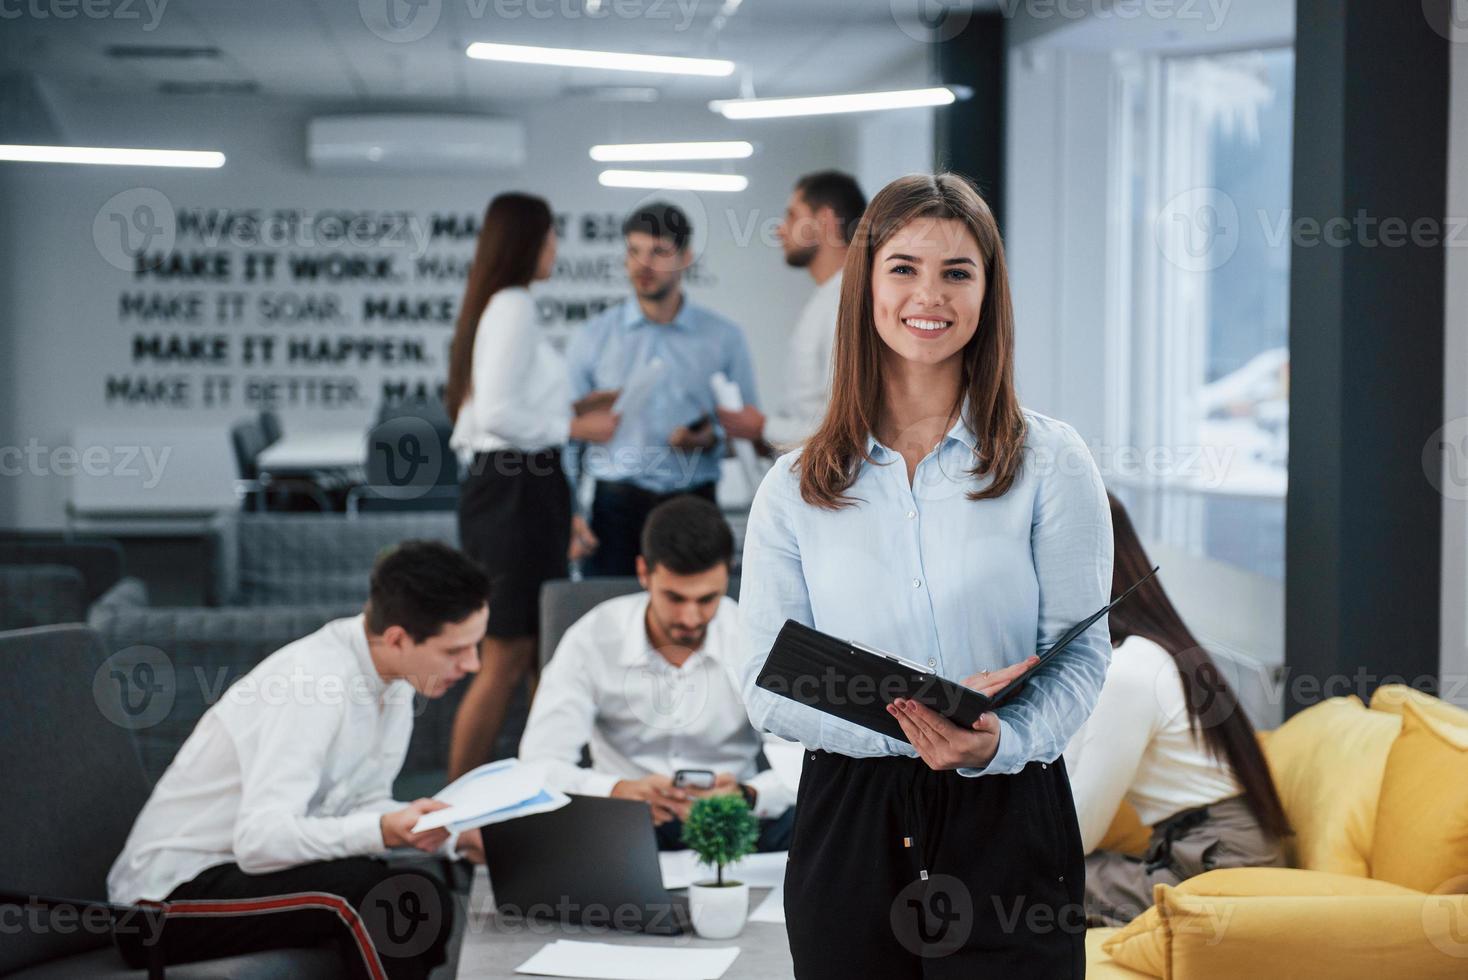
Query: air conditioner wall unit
[(416, 144)]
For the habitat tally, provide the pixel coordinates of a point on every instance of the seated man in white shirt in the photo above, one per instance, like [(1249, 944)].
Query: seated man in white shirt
[(644, 679), (269, 828)]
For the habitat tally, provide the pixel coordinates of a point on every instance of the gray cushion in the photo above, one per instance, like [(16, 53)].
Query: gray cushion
[(40, 595), (72, 781), (99, 560)]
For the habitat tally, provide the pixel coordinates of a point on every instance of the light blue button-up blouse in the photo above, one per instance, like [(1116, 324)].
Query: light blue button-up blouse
[(955, 584)]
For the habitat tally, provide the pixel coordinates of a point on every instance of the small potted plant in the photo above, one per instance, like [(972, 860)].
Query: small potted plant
[(720, 830)]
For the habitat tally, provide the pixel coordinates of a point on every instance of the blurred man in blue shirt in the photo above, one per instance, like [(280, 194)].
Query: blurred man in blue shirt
[(669, 441)]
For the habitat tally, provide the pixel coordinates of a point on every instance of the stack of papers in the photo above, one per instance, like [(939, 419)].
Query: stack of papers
[(728, 396), (606, 961), (490, 794), (682, 868)]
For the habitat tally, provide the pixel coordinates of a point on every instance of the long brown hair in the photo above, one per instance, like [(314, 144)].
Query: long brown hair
[(506, 254), (828, 466), (1212, 704)]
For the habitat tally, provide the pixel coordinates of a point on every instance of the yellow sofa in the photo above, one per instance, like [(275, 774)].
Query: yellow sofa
[(1378, 888)]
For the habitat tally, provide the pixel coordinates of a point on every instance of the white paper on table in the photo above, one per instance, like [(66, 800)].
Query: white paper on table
[(490, 794), (606, 961), (728, 396), (682, 868), (772, 909), (639, 386)]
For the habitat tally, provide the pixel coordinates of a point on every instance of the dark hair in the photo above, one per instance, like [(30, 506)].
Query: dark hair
[(422, 586), (660, 220), (1227, 733), (687, 535), (829, 463), (837, 191), (506, 254)]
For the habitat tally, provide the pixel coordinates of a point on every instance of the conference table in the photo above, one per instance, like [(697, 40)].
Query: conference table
[(310, 452), (492, 949)]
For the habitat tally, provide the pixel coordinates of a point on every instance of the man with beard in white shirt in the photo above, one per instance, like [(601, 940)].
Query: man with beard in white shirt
[(820, 218), (645, 680), (270, 827)]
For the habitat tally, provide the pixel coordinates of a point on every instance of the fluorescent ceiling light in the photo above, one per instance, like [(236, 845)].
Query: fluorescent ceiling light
[(112, 156), (673, 180), (707, 150), (816, 105), (612, 60)]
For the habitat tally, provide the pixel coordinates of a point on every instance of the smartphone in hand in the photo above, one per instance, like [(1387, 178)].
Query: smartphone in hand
[(694, 779)]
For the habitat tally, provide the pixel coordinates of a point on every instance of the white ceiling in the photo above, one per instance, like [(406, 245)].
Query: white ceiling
[(349, 50)]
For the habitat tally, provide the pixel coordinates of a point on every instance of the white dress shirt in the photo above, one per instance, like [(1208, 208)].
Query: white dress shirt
[(920, 570), (294, 764), (521, 394), (1136, 746), (807, 369), (607, 686)]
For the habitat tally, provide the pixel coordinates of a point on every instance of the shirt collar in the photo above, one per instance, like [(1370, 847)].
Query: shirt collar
[(357, 640), (632, 315), (637, 649), (958, 432)]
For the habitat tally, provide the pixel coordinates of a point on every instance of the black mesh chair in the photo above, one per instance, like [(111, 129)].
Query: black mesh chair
[(410, 465), (249, 438)]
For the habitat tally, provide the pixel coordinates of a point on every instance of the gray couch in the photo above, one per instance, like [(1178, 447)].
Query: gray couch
[(73, 788), (289, 559), (199, 651)]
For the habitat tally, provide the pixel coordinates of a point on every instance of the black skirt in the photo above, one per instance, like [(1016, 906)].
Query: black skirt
[(515, 520), (897, 871)]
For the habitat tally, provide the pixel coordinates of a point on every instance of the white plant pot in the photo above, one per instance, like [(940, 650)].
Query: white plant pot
[(718, 913)]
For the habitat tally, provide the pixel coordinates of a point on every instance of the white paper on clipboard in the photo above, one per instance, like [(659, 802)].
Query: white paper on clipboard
[(728, 396), (639, 387)]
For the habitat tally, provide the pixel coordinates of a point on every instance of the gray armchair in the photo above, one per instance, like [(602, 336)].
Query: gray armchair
[(564, 601)]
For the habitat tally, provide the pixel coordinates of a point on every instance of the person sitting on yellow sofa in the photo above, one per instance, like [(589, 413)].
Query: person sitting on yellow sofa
[(1169, 736)]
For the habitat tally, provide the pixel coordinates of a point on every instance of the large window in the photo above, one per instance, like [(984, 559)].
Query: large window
[(1198, 321)]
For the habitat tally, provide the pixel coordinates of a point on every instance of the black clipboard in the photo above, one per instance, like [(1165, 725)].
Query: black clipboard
[(856, 682)]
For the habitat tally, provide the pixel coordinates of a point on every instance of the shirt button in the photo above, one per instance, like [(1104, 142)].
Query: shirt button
[(917, 583), (911, 514), (932, 663)]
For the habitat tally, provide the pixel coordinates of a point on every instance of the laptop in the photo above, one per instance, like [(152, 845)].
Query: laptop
[(593, 862)]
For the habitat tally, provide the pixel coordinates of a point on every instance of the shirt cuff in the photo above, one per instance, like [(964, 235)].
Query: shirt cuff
[(593, 783), (364, 833), (770, 793), (1008, 760)]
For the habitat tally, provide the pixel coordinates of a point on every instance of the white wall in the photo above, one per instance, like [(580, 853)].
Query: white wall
[(61, 334), (1455, 395)]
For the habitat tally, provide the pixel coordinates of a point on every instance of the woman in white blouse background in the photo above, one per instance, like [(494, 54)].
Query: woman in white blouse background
[(1169, 736), (932, 517), (510, 397)]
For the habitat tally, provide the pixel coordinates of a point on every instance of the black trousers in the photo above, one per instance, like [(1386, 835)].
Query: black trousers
[(618, 512), (774, 833), (384, 921), (515, 520), (897, 871)]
